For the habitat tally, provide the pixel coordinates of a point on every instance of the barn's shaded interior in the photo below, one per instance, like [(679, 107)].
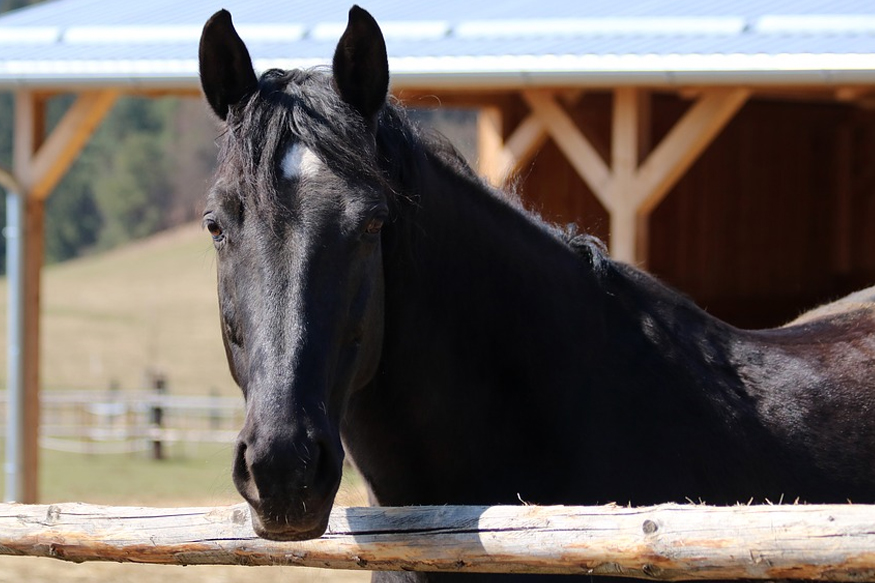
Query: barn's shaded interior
[(770, 220)]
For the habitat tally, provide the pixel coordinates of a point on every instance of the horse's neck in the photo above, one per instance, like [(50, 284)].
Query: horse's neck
[(482, 267), (479, 255), (494, 325)]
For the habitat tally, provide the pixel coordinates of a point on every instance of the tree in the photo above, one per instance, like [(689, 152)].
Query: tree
[(7, 5), (133, 178)]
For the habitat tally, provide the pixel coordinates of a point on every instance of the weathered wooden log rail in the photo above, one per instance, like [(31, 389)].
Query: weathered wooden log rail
[(668, 542)]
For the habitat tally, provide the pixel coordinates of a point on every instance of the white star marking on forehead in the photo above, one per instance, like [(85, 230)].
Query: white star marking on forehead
[(300, 162)]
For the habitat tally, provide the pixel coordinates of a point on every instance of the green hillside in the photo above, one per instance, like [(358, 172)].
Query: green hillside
[(150, 305)]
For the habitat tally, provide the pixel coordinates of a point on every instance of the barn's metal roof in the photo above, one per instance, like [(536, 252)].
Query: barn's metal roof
[(457, 43)]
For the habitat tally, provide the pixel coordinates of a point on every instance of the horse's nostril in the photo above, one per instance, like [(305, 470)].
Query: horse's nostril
[(242, 476), (282, 467), (240, 469), (324, 468)]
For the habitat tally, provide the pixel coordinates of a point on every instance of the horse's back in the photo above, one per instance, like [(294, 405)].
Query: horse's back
[(860, 304), (815, 389)]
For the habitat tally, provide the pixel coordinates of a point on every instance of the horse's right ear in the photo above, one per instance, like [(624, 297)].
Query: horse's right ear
[(227, 76)]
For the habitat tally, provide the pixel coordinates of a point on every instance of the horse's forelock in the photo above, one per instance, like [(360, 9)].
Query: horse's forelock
[(297, 106)]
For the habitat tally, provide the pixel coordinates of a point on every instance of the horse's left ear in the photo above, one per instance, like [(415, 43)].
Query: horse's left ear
[(361, 67), (227, 76)]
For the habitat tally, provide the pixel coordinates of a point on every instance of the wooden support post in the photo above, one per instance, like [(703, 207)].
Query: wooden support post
[(34, 252), (625, 132), (39, 162), (29, 129), (624, 234), (629, 234)]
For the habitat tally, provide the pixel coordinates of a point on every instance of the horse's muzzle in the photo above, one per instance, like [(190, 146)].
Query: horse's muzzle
[(289, 482)]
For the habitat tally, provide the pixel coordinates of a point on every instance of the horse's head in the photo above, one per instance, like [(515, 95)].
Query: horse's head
[(296, 213)]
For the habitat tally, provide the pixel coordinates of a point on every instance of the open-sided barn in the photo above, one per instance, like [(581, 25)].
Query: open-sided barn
[(725, 146)]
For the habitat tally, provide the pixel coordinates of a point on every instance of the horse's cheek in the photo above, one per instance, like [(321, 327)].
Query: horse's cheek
[(371, 344)]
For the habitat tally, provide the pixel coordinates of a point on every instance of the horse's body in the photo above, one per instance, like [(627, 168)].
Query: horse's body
[(374, 291)]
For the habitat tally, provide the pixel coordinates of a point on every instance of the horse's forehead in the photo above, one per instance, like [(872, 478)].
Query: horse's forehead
[(300, 162)]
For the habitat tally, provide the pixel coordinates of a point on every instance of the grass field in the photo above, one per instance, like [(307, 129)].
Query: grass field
[(197, 475), (150, 305), (192, 475)]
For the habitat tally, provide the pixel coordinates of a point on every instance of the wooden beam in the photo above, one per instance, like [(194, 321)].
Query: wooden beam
[(51, 161), (520, 147), (636, 190), (574, 145), (683, 145), (490, 123), (628, 189), (666, 543), (8, 181), (518, 150), (523, 144)]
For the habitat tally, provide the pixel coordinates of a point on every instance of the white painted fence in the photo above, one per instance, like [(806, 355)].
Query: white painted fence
[(111, 422)]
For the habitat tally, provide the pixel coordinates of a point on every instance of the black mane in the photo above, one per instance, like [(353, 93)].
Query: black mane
[(302, 105)]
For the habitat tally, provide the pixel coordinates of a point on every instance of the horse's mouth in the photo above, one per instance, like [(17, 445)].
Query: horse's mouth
[(280, 528)]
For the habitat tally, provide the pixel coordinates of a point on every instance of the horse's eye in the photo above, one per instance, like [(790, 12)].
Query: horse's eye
[(374, 226), (214, 229)]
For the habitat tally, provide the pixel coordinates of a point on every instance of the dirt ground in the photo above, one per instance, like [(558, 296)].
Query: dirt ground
[(42, 570)]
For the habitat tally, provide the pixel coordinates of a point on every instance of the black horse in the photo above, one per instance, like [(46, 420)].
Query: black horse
[(380, 301)]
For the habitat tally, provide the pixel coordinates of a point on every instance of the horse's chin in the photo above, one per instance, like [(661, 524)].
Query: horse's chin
[(281, 530)]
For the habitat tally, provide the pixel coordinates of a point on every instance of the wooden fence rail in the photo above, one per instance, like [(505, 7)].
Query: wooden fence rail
[(115, 422), (668, 542)]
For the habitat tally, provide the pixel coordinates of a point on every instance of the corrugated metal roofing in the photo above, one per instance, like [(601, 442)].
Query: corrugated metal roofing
[(457, 42)]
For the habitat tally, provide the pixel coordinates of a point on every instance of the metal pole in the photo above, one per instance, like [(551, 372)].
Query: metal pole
[(14, 233)]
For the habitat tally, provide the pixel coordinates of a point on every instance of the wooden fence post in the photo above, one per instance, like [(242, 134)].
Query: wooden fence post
[(159, 385)]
